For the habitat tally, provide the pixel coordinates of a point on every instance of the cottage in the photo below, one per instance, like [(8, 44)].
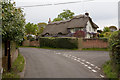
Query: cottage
[(68, 28)]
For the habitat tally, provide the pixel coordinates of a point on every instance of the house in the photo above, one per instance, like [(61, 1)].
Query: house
[(68, 28)]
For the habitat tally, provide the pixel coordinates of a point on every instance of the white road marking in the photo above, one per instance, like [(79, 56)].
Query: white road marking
[(85, 65), (97, 68), (92, 64), (89, 68), (94, 70), (83, 60), (82, 63), (88, 62), (78, 61), (102, 76), (75, 59), (79, 58)]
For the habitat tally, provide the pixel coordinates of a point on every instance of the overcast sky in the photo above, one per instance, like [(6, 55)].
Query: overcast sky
[(103, 12)]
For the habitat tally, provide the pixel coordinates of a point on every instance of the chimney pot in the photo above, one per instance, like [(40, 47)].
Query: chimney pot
[(87, 14)]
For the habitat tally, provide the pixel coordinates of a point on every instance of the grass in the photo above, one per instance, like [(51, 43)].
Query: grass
[(108, 71), (17, 67), (46, 48), (96, 49), (89, 49)]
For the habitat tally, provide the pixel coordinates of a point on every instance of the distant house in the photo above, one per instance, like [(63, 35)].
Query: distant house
[(69, 27)]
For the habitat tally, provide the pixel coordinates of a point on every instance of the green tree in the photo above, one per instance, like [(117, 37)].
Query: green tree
[(13, 22), (41, 27), (31, 28), (65, 15), (106, 29)]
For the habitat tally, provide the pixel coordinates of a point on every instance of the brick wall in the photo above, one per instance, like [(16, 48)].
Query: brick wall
[(34, 43), (86, 43), (94, 43), (31, 43)]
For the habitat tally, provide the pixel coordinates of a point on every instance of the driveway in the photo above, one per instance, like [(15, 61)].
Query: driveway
[(49, 63)]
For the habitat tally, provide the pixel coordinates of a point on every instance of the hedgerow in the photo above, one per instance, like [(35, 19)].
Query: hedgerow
[(114, 46), (65, 43)]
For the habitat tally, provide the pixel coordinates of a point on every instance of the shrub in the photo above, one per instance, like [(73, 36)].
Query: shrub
[(114, 46), (101, 35), (65, 43)]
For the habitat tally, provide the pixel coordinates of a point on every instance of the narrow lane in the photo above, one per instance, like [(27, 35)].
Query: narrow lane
[(44, 63)]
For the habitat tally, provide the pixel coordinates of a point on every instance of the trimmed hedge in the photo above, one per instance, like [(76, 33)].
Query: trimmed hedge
[(114, 46), (65, 43)]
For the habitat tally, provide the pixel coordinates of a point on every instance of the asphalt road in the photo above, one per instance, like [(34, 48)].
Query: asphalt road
[(45, 63)]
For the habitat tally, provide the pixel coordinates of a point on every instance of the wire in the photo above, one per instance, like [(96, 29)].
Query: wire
[(56, 3)]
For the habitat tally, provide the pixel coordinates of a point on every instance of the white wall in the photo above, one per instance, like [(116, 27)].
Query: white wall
[(90, 29)]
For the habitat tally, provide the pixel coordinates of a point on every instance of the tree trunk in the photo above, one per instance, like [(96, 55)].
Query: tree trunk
[(7, 53)]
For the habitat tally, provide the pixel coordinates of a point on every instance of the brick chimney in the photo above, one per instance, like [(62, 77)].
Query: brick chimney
[(49, 20), (87, 14)]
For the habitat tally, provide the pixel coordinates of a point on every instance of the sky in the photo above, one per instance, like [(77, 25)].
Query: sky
[(103, 12)]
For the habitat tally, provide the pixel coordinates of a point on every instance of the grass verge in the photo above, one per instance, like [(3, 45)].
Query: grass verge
[(96, 49), (108, 71), (17, 67), (89, 49), (46, 48)]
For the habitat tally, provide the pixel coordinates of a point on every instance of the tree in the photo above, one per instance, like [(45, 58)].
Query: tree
[(106, 29), (31, 28), (13, 22), (65, 15), (12, 26), (41, 27)]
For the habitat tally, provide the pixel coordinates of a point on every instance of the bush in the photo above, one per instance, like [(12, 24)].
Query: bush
[(65, 43), (101, 35), (114, 46)]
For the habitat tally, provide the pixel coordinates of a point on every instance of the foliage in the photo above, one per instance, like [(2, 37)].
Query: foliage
[(101, 35), (57, 19), (99, 31), (65, 15), (17, 66), (108, 70), (31, 28), (79, 34), (42, 24), (114, 46), (107, 34), (96, 49), (41, 30), (106, 29), (12, 22), (65, 43)]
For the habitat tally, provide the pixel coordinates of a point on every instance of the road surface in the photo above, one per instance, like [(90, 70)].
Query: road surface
[(50, 63)]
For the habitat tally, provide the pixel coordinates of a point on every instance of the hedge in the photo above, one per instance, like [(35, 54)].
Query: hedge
[(114, 46), (65, 43)]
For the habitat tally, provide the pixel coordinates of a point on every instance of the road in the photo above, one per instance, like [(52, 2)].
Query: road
[(49, 63)]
